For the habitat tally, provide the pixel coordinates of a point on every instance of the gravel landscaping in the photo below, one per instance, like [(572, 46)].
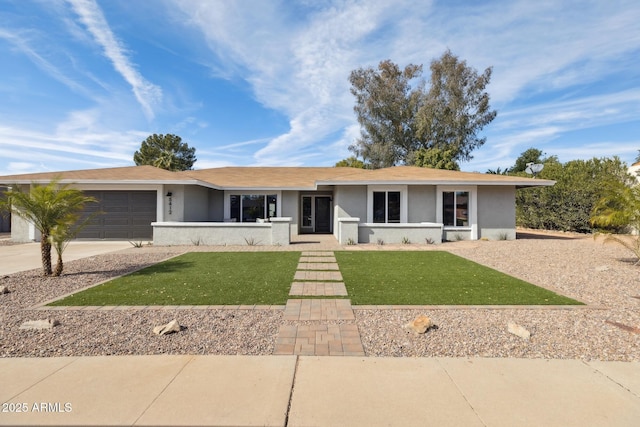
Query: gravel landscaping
[(601, 276)]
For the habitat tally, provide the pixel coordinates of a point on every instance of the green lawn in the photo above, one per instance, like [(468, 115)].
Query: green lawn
[(439, 278), (371, 277), (200, 278)]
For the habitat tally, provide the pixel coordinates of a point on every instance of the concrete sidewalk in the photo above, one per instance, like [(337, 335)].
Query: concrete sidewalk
[(317, 391), (26, 256)]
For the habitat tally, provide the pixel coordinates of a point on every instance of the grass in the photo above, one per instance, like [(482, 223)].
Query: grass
[(439, 278), (200, 278), (371, 277)]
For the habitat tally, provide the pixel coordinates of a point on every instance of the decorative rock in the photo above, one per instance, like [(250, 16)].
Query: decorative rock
[(419, 325), (4, 290), (518, 330), (602, 268), (40, 324), (170, 327)]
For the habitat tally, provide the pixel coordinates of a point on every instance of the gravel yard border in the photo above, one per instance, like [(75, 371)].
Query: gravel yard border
[(600, 275)]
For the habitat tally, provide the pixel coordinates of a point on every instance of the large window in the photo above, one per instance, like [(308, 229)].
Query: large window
[(455, 208), (251, 207), (386, 206)]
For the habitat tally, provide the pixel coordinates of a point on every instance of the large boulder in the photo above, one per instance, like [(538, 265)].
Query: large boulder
[(169, 328), (519, 331), (40, 324), (419, 325)]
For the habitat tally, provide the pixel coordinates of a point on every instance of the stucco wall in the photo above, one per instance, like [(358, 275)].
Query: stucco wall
[(497, 213), (196, 203), (173, 207), (221, 233), (290, 209), (20, 229), (397, 233), (216, 205), (422, 203), (349, 201)]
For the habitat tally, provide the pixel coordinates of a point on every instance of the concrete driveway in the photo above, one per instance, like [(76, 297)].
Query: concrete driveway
[(22, 257)]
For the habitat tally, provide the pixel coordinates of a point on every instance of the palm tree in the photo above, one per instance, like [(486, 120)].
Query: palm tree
[(51, 208), (618, 210), (63, 232)]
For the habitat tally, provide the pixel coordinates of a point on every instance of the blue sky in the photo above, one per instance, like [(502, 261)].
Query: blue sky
[(259, 82)]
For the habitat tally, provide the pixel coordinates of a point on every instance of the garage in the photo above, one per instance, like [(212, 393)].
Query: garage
[(124, 215)]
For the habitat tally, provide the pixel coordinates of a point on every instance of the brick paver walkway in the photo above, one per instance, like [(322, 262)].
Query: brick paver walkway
[(318, 309), (318, 289), (320, 340), (318, 275)]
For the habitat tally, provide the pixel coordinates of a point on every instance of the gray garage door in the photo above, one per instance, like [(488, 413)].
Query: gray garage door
[(124, 215)]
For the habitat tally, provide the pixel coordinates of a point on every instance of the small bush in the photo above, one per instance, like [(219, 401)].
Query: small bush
[(251, 241)]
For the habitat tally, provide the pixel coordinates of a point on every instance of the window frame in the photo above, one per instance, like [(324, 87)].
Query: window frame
[(241, 194), (472, 209), (404, 211)]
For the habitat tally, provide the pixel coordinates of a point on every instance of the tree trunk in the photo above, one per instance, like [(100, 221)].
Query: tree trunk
[(45, 249), (59, 266)]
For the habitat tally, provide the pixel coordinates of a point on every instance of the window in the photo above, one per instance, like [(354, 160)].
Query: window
[(251, 207), (386, 206), (307, 212), (455, 208)]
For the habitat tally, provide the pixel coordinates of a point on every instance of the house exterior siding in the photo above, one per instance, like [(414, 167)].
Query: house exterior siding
[(357, 205), (422, 203), (497, 213), (196, 204), (349, 201), (290, 209)]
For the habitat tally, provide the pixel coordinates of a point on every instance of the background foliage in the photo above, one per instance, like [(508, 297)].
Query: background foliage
[(568, 205)]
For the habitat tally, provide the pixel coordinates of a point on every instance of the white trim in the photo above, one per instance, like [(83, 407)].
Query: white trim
[(473, 208), (404, 203)]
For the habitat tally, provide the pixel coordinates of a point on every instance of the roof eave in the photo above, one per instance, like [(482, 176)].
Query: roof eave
[(519, 184)]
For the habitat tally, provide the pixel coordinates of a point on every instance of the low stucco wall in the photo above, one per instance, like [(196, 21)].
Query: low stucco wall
[(222, 233), (396, 233)]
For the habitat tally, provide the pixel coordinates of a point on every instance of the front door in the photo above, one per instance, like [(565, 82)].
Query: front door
[(323, 215), (316, 214)]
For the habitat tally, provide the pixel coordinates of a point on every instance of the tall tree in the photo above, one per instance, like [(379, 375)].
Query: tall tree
[(531, 155), (51, 208), (399, 117), (456, 108), (166, 152), (351, 162), (436, 158), (386, 107)]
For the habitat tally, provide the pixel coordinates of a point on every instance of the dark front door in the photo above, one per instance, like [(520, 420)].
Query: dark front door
[(323, 215)]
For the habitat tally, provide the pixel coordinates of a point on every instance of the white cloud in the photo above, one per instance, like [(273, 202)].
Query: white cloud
[(301, 68), (147, 94), (22, 41)]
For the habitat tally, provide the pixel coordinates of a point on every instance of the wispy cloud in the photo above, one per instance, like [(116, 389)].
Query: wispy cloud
[(147, 94), (22, 42), (80, 137), (301, 67)]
